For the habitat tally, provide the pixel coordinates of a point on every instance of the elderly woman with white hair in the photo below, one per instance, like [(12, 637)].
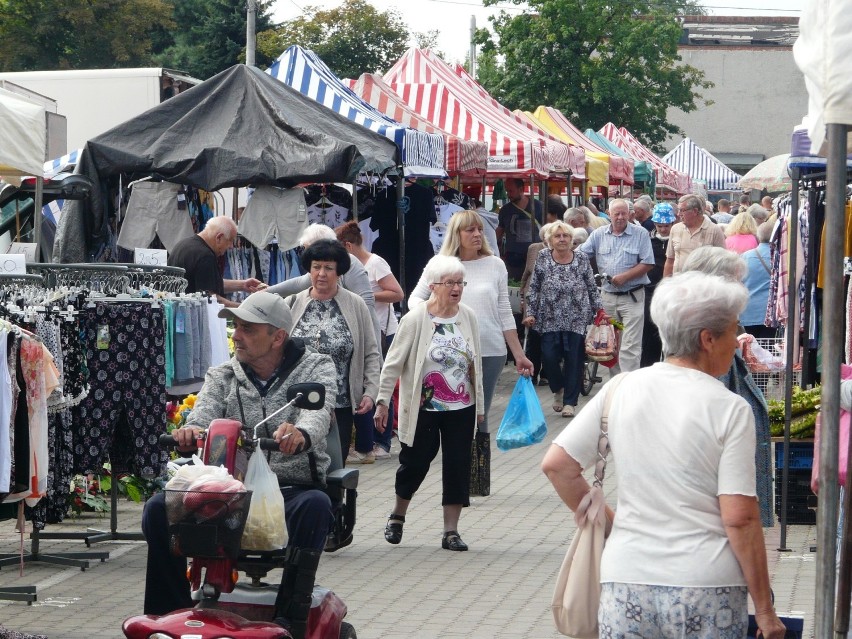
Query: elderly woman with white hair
[(685, 548), (532, 343), (355, 279), (436, 357), (712, 260), (562, 300)]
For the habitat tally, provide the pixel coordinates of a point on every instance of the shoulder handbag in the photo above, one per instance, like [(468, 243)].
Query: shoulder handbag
[(577, 595)]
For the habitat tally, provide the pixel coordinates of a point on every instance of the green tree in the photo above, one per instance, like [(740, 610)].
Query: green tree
[(40, 35), (210, 36), (352, 39), (594, 60)]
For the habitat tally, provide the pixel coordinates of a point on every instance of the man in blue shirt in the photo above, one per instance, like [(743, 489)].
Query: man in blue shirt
[(623, 251)]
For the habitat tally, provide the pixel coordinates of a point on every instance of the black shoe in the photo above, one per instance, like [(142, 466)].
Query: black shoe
[(452, 541), (393, 529)]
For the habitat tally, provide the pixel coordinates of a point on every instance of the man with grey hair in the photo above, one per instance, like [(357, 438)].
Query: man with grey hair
[(758, 212), (623, 251), (642, 213), (199, 255), (576, 218), (694, 229)]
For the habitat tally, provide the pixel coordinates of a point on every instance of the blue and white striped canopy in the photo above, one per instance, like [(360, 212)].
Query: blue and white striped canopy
[(687, 157), (301, 69)]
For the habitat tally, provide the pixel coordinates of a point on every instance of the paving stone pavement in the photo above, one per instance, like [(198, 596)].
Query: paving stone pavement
[(500, 588)]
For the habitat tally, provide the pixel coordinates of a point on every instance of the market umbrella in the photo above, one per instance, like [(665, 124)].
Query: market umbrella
[(770, 175)]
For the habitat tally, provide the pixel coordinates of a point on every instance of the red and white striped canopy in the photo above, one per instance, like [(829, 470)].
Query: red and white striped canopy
[(463, 157), (667, 176), (449, 101)]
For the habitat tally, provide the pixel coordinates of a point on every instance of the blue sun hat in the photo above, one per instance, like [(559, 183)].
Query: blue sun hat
[(663, 214)]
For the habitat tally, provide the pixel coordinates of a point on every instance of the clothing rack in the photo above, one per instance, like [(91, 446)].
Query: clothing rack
[(812, 182)]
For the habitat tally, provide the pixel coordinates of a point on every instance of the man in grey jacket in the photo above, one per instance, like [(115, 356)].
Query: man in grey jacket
[(247, 388)]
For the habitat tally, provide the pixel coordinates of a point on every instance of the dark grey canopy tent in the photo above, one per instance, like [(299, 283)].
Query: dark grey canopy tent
[(241, 127)]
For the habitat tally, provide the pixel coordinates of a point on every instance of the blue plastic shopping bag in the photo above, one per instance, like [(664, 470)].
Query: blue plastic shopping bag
[(523, 423)]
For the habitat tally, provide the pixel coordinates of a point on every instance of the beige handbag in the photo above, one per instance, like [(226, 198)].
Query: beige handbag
[(577, 595)]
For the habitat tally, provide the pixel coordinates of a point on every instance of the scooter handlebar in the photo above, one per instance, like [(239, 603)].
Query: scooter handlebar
[(167, 441), (267, 443)]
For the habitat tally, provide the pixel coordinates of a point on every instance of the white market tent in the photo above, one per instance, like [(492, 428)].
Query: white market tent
[(699, 164), (23, 132)]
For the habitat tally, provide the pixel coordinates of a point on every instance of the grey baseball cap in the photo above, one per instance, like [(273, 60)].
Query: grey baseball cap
[(262, 308)]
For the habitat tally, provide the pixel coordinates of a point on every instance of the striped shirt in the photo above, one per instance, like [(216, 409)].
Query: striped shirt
[(616, 254)]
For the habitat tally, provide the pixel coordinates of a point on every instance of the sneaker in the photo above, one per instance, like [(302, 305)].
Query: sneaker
[(380, 453), (360, 458)]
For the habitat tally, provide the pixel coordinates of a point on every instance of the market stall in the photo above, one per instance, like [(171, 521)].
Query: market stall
[(302, 70), (643, 172), (443, 97), (619, 168), (240, 127), (666, 176), (463, 157), (699, 164)]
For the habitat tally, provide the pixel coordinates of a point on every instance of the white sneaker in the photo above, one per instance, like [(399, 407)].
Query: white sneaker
[(380, 453), (360, 458)]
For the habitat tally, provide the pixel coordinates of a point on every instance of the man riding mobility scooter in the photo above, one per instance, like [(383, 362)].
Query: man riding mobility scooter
[(268, 370)]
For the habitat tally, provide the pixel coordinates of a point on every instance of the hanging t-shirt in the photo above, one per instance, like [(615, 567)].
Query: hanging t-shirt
[(443, 213)]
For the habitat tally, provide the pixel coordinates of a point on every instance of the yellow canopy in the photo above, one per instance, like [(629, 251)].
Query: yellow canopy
[(597, 163)]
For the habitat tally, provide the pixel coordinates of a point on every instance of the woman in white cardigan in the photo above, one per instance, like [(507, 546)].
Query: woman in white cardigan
[(334, 321), (487, 293), (436, 357)]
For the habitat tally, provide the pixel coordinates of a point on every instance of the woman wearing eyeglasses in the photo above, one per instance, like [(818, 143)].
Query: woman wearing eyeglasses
[(436, 357), (487, 293), (562, 300)]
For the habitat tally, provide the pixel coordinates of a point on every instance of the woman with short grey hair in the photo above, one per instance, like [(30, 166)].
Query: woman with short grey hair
[(713, 260), (685, 547), (436, 356)]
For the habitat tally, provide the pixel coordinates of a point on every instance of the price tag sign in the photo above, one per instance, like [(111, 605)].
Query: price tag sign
[(27, 249), (151, 257), (13, 264)]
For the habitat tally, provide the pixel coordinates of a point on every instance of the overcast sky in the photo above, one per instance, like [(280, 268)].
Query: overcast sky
[(452, 17)]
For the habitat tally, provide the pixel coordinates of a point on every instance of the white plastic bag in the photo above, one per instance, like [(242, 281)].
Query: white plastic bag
[(265, 526), (189, 474)]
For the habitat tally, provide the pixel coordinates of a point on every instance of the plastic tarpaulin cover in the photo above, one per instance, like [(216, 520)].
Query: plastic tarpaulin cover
[(241, 127), (23, 132), (822, 52)]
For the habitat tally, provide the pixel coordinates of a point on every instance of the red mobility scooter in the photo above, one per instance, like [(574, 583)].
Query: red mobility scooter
[(209, 532)]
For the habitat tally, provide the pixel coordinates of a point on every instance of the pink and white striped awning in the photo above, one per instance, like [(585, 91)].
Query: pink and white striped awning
[(438, 93), (463, 157), (667, 176)]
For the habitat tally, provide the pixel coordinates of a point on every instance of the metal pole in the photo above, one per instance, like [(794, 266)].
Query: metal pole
[(832, 357), (355, 200), (400, 225), (251, 39), (533, 234), (37, 216), (791, 342)]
